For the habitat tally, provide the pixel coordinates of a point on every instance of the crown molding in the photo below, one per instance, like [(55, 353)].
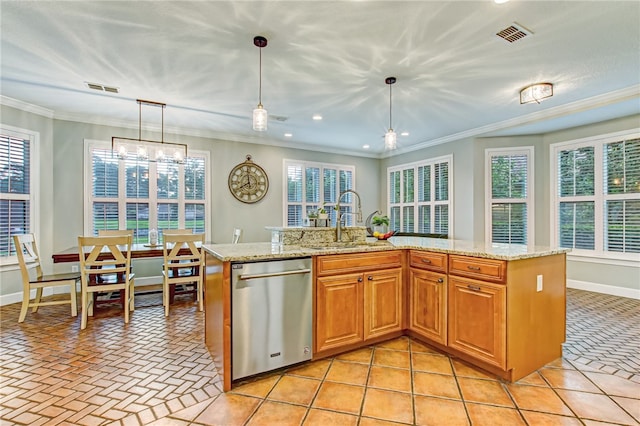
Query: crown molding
[(25, 106)]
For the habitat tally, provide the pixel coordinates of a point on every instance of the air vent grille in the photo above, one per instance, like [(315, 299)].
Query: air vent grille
[(514, 32), (278, 117), (102, 87)]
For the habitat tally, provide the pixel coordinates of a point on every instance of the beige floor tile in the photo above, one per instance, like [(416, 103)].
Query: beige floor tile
[(597, 423), (613, 385), (416, 346), (544, 419), (488, 415), (362, 355), (533, 379), (339, 397), (595, 407), (436, 412), (390, 378), (191, 412), (399, 344), (431, 384), (630, 405), (259, 388), (367, 421), (560, 363), (484, 391), (463, 369), (277, 413), (391, 358), (431, 363), (388, 405), (166, 421), (329, 418), (536, 398), (295, 390), (315, 369), (228, 409), (348, 372), (568, 379)]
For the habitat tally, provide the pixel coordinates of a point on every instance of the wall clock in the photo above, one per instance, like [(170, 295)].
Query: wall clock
[(248, 182)]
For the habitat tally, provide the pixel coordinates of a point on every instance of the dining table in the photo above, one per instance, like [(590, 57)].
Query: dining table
[(138, 251)]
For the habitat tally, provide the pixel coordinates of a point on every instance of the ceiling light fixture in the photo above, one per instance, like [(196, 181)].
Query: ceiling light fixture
[(536, 93), (260, 114), (390, 138), (145, 149)]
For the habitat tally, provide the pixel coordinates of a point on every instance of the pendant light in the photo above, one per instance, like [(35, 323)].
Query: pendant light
[(390, 138), (259, 113)]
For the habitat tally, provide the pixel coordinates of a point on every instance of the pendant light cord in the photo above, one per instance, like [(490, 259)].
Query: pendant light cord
[(260, 84), (390, 107)]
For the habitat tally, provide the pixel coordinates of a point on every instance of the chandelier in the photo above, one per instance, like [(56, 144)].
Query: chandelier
[(145, 149)]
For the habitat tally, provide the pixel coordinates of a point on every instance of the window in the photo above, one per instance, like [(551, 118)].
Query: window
[(142, 195), (310, 186), (597, 196), (419, 196), (17, 188), (509, 210)]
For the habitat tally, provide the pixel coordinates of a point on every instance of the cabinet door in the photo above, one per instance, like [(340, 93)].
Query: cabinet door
[(477, 319), (382, 302), (428, 305), (339, 304)]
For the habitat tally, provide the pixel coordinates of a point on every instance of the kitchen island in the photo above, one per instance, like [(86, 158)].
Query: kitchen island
[(500, 307)]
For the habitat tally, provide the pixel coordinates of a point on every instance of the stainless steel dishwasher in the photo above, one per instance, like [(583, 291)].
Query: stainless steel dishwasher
[(271, 315)]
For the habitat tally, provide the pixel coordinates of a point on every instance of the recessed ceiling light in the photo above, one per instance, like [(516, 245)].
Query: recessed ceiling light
[(317, 117), (288, 135), (404, 134), (365, 147)]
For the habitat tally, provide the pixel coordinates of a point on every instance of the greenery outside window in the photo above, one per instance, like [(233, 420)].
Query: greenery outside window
[(420, 196), (17, 188), (509, 206), (597, 196), (142, 195), (310, 186)]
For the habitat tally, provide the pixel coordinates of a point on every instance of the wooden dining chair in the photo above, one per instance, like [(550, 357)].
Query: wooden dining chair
[(29, 259), (183, 264), (108, 297), (105, 265), (114, 232)]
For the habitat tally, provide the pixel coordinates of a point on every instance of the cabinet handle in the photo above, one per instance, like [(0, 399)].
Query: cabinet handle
[(473, 268), (474, 287), (359, 279), (440, 280), (370, 278), (427, 261)]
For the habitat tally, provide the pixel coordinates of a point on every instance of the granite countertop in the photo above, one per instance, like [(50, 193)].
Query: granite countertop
[(244, 252)]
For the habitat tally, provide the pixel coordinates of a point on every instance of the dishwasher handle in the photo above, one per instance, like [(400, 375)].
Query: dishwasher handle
[(274, 274)]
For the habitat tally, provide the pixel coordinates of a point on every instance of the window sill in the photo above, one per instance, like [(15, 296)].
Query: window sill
[(631, 260)]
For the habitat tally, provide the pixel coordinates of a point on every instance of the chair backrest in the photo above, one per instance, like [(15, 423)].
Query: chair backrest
[(236, 236), (27, 253), (107, 252), (114, 232), (185, 249)]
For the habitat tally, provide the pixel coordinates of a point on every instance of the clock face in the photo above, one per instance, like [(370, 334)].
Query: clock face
[(248, 182)]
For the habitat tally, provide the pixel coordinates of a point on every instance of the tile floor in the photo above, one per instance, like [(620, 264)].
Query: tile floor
[(157, 371)]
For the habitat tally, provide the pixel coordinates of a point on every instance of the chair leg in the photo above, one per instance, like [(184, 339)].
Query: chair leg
[(37, 299), (125, 305), (74, 301), (85, 301), (166, 288), (132, 297), (199, 287), (25, 304)]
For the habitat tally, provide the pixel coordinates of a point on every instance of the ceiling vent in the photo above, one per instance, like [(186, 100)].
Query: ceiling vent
[(102, 87), (278, 117), (514, 32)]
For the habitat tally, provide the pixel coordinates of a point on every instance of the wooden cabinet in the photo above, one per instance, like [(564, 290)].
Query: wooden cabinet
[(339, 311), (477, 319), (358, 297), (428, 304)]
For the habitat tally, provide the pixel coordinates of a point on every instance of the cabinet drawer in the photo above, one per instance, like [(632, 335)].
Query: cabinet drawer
[(478, 268), (356, 262), (428, 260)]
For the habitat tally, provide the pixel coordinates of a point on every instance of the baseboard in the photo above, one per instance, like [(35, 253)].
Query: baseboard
[(7, 299), (632, 293)]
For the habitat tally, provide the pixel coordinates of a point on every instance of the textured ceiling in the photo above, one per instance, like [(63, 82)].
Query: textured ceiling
[(456, 78)]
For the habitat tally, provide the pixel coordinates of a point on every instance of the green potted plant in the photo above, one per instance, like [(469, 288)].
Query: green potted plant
[(380, 224), (322, 213)]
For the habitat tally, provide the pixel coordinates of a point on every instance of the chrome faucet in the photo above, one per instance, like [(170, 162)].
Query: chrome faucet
[(358, 213)]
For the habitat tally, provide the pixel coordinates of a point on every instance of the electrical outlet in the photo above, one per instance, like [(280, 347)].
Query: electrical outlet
[(74, 268), (539, 283)]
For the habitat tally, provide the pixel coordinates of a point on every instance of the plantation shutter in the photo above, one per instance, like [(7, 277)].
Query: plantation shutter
[(509, 183)]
